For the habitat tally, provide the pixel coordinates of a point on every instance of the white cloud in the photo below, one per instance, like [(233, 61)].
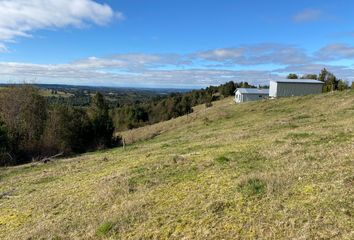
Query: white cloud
[(308, 15), (268, 53), (134, 61), (19, 18), (343, 72), (173, 70), (335, 52), (83, 74)]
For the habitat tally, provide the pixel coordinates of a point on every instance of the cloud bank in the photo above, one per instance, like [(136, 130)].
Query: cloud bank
[(19, 18), (198, 69), (266, 53)]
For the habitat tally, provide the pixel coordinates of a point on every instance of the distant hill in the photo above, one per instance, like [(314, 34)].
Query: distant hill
[(275, 169), (81, 95)]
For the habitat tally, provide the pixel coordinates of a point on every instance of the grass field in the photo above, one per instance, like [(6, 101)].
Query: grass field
[(277, 169), (49, 93)]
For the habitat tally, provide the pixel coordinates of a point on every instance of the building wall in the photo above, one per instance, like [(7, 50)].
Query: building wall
[(253, 97), (249, 97), (293, 89), (238, 97), (273, 89)]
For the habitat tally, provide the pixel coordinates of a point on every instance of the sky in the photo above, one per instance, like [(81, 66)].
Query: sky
[(173, 43)]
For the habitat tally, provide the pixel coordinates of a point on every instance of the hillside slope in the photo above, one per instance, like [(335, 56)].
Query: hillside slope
[(274, 169)]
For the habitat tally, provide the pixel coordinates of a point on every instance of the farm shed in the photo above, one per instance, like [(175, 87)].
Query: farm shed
[(250, 94), (296, 87)]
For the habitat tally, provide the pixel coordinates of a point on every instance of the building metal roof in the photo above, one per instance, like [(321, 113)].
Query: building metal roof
[(253, 91), (298, 81)]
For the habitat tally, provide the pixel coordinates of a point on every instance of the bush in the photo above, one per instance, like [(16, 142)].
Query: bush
[(24, 113), (34, 130), (68, 130)]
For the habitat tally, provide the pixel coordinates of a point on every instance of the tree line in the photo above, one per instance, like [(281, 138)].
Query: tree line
[(331, 82), (30, 128), (175, 105)]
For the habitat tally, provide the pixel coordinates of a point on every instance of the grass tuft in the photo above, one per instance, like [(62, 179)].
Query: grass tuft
[(222, 159), (218, 207), (253, 187), (104, 229)]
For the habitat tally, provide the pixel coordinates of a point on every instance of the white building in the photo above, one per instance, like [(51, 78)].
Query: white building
[(250, 94), (295, 87)]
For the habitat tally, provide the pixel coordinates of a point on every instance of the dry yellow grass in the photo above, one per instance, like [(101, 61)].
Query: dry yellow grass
[(279, 169)]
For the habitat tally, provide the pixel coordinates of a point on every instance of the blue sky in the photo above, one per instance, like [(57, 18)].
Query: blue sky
[(173, 43)]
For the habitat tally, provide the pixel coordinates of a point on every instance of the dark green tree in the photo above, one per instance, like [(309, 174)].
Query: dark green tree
[(228, 89), (102, 123), (310, 76), (4, 140), (4, 144), (186, 104), (69, 130), (330, 80), (24, 111), (292, 76), (342, 85)]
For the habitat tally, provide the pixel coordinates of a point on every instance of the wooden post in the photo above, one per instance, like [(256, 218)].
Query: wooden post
[(123, 140)]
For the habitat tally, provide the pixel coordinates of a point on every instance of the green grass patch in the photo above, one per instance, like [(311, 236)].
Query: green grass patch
[(299, 135), (222, 159), (253, 187), (245, 161), (104, 229)]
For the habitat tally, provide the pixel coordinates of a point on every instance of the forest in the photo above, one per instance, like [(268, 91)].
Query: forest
[(33, 127)]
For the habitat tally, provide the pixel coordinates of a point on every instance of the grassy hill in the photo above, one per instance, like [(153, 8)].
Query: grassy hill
[(279, 169)]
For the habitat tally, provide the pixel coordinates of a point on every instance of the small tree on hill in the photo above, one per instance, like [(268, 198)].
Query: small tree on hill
[(342, 85), (310, 76), (228, 89), (330, 81), (24, 111), (292, 76), (4, 142), (102, 123), (186, 105), (69, 130)]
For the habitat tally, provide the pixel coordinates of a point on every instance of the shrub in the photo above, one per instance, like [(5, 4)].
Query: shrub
[(24, 111), (68, 130), (34, 130)]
